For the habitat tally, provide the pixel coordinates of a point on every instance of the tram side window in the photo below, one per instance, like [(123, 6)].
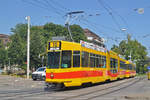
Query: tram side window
[(92, 60), (53, 60), (127, 66), (85, 59), (97, 61), (103, 61), (122, 65), (76, 58), (130, 67), (134, 68), (111, 63), (66, 59), (116, 63)]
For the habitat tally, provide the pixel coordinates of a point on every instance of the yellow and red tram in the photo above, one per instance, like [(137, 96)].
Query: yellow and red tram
[(74, 64)]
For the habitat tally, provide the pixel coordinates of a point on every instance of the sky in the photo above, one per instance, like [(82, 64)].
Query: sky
[(106, 18)]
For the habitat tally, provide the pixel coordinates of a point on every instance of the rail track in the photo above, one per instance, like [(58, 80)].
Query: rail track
[(81, 93), (105, 91), (13, 95)]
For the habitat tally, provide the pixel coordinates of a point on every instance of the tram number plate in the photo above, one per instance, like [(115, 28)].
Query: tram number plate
[(55, 45)]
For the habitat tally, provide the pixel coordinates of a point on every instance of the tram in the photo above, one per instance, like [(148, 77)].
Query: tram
[(74, 64)]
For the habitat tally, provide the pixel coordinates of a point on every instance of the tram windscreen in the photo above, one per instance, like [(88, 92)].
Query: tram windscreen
[(53, 60)]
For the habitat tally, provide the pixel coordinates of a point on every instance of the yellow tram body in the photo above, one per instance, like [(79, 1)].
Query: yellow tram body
[(73, 64)]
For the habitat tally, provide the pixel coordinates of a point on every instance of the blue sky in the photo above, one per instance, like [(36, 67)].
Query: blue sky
[(97, 16)]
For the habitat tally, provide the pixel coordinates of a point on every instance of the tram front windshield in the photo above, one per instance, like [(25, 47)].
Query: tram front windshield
[(53, 60)]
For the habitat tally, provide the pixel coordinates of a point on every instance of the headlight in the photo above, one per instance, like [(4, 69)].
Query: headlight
[(52, 75)]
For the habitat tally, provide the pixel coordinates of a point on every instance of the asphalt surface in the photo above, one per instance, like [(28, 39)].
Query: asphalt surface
[(138, 91), (14, 88)]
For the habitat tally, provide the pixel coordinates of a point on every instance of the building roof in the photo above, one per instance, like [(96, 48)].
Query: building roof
[(4, 36), (89, 33), (4, 39)]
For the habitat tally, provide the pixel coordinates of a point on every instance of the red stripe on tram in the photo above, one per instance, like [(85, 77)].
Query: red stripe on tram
[(75, 74)]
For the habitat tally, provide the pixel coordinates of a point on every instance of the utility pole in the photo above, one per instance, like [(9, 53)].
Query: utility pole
[(28, 47)]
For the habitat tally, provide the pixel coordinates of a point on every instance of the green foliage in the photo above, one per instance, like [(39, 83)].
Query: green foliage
[(134, 49), (39, 36), (52, 30), (78, 33), (3, 56), (16, 50), (37, 46), (20, 29)]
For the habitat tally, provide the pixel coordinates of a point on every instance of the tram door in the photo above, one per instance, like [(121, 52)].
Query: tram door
[(114, 65)]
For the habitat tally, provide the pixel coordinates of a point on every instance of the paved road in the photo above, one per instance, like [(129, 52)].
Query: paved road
[(13, 88), (138, 91)]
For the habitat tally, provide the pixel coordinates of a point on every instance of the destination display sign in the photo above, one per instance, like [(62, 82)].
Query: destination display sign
[(54, 45), (92, 46)]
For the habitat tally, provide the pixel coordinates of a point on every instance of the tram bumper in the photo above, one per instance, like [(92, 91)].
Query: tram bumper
[(65, 82)]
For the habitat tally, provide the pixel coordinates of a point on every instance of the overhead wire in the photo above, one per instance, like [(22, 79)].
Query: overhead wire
[(110, 13), (122, 18), (33, 4), (106, 27), (113, 11), (94, 25), (60, 5), (44, 5), (47, 4)]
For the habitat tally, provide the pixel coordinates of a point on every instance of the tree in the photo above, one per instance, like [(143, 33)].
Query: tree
[(3, 54), (21, 30), (77, 32), (37, 47), (16, 49), (132, 50), (58, 30), (38, 41), (115, 48)]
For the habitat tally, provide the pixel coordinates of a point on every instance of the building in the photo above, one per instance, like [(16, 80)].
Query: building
[(92, 37), (4, 39)]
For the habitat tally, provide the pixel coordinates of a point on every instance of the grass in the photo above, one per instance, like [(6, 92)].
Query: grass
[(139, 74)]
